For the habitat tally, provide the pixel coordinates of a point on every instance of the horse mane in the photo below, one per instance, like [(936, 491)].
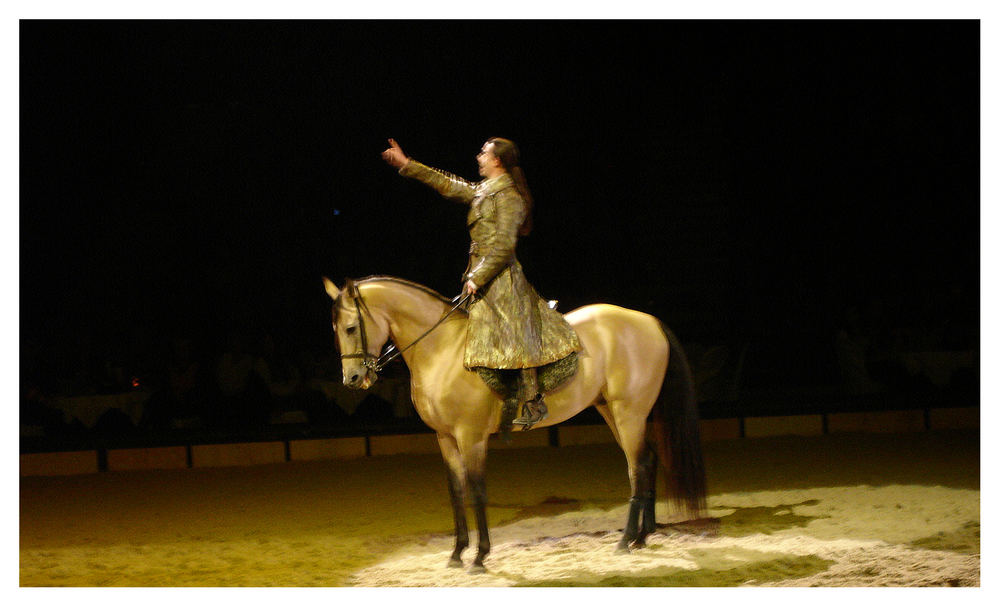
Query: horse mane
[(405, 283)]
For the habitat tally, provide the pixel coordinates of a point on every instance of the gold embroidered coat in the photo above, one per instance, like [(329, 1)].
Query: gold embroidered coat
[(510, 326)]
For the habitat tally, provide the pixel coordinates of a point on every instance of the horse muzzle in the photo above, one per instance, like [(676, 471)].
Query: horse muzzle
[(360, 379)]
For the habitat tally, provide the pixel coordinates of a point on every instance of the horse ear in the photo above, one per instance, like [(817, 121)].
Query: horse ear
[(331, 289)]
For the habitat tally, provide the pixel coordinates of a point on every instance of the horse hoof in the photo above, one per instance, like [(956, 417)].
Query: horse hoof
[(477, 569), (639, 544), (455, 563), (622, 549)]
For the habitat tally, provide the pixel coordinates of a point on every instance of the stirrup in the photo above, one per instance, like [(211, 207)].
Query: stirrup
[(532, 412)]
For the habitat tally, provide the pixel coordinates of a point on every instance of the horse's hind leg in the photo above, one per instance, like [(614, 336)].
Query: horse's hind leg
[(643, 478), (631, 434), (642, 502), (648, 468), (456, 487)]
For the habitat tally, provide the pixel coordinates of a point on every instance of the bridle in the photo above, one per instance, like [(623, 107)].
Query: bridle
[(370, 362), (374, 364)]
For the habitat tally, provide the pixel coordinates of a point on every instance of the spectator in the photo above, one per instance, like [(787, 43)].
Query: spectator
[(321, 378), (852, 344), (39, 418), (279, 375), (183, 400), (242, 398)]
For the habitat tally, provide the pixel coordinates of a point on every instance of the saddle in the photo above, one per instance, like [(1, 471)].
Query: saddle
[(506, 383)]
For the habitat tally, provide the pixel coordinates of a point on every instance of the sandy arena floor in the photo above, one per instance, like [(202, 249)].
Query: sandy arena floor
[(840, 510)]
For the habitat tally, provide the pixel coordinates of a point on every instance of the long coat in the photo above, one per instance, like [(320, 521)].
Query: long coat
[(510, 326)]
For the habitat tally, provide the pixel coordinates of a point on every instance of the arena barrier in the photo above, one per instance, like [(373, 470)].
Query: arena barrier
[(250, 452)]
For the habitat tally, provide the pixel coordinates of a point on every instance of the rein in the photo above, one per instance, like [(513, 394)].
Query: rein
[(372, 363)]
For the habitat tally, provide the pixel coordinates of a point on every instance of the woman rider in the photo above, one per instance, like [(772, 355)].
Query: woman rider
[(510, 326)]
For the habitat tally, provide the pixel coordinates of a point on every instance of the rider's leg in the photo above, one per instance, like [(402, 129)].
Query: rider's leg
[(534, 409)]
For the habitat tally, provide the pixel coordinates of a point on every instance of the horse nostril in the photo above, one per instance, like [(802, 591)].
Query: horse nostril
[(354, 378)]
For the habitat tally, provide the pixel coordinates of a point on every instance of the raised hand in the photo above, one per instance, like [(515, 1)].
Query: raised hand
[(394, 155)]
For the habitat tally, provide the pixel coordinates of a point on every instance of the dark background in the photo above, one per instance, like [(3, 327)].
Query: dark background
[(745, 181)]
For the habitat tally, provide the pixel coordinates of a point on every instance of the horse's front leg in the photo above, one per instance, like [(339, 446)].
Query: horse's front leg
[(456, 488), (477, 483), (474, 456)]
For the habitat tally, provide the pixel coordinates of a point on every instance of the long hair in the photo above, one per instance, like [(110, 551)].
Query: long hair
[(510, 157)]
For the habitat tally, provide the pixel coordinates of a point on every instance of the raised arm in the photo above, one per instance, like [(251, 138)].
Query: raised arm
[(448, 185)]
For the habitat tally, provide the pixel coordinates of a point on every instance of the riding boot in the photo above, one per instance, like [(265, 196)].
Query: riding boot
[(533, 409)]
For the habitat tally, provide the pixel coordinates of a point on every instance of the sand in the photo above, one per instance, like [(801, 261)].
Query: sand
[(838, 510)]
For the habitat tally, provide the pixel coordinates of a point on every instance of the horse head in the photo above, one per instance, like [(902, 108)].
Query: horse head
[(360, 334)]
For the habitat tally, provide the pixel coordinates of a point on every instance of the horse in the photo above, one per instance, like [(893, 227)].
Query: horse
[(630, 364)]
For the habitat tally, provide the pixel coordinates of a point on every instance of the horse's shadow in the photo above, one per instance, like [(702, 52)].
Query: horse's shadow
[(550, 506), (741, 522), (762, 519), (554, 506)]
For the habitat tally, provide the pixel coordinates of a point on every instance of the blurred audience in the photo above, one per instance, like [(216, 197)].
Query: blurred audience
[(927, 344), (883, 344)]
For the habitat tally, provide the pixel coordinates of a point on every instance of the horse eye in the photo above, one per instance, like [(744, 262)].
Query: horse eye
[(350, 330)]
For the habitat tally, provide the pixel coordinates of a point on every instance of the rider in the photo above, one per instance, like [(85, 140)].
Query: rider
[(510, 326)]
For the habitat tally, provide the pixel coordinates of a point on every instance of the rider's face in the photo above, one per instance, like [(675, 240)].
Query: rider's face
[(488, 161)]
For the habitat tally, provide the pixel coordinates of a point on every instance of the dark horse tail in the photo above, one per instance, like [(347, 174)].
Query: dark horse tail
[(675, 421)]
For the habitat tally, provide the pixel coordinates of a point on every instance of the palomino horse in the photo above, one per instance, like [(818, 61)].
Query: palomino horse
[(623, 371)]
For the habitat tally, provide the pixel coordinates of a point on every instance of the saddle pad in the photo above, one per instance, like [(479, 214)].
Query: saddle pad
[(505, 382)]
